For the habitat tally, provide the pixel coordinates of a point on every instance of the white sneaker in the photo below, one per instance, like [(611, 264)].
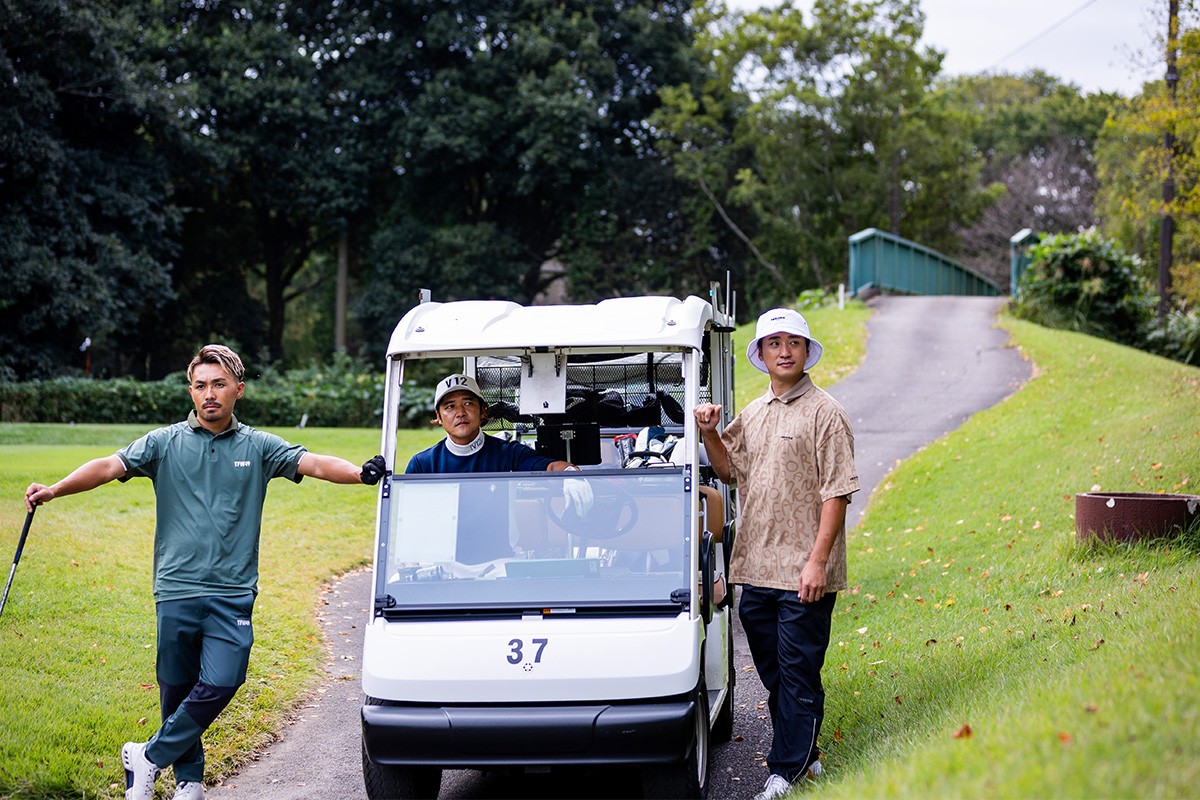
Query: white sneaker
[(776, 786), (140, 772), (815, 770), (189, 790)]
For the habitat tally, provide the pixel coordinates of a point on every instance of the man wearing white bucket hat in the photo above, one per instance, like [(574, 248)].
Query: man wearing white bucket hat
[(791, 454)]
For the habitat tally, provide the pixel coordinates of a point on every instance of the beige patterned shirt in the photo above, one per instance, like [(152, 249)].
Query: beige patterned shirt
[(788, 455)]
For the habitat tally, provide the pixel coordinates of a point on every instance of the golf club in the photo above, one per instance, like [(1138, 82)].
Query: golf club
[(16, 558)]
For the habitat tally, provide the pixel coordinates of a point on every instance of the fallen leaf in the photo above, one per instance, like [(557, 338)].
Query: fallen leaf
[(1090, 708), (1065, 737), (1096, 646), (899, 699), (837, 734), (141, 721), (963, 733)]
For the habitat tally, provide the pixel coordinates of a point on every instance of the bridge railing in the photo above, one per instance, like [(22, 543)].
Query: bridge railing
[(1018, 252), (887, 262)]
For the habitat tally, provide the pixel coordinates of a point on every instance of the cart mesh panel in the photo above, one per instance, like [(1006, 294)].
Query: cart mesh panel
[(621, 391)]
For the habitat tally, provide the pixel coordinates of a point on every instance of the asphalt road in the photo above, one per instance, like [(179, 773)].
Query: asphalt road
[(931, 362)]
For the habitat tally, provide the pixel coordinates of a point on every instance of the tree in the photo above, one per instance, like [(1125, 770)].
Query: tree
[(813, 130), (85, 212), (279, 164), (1037, 136), (520, 137), (1132, 165)]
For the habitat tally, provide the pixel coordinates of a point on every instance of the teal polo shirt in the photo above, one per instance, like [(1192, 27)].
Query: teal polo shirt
[(209, 492)]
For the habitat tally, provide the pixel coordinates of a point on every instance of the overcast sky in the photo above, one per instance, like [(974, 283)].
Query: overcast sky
[(1099, 45)]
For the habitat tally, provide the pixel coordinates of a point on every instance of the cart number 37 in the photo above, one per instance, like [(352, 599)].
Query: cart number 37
[(516, 653)]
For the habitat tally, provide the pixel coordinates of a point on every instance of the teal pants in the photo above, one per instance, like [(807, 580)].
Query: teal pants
[(203, 652)]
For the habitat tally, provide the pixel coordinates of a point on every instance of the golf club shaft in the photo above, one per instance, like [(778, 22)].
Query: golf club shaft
[(16, 559)]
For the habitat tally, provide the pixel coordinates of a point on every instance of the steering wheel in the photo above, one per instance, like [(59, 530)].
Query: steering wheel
[(603, 521)]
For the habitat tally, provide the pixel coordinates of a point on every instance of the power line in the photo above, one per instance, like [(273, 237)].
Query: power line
[(1021, 47)]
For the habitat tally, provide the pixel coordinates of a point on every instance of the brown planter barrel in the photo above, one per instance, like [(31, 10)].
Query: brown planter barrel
[(1131, 516)]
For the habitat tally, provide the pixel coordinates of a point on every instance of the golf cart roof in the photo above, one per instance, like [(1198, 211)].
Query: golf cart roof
[(650, 323)]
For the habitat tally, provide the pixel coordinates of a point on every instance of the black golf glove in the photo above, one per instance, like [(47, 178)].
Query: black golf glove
[(373, 470)]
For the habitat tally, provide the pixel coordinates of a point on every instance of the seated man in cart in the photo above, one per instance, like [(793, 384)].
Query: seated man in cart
[(459, 408)]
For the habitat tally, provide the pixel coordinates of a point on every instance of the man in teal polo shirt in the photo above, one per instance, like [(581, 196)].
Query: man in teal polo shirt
[(210, 477)]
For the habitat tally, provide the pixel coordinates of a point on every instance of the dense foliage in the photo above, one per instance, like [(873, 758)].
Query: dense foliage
[(1084, 282), (1036, 136), (87, 222), (253, 172), (1133, 165), (343, 394)]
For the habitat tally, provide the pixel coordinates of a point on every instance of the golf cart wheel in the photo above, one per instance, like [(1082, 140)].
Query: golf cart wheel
[(391, 782), (689, 778)]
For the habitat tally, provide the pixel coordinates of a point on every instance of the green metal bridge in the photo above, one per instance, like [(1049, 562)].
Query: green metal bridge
[(887, 263)]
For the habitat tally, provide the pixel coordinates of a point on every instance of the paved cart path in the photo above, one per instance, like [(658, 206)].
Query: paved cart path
[(931, 363)]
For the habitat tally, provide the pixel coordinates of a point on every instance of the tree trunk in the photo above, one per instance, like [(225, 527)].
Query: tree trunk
[(339, 311)]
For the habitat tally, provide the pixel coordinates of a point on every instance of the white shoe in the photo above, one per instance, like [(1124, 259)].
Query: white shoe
[(815, 770), (140, 772), (189, 790), (776, 786)]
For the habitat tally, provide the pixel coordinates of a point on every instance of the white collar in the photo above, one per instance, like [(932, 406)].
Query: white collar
[(467, 449)]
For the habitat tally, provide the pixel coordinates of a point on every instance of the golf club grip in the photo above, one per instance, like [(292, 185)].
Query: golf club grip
[(24, 535)]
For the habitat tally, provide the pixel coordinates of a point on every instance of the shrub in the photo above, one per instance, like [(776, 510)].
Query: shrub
[(342, 394), (1086, 283), (1178, 337)]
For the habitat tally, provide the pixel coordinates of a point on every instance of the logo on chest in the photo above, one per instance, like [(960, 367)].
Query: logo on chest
[(241, 464)]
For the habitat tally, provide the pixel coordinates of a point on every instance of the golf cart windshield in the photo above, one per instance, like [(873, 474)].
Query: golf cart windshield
[(512, 543)]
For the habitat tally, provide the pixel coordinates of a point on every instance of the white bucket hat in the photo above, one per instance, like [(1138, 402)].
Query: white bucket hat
[(782, 320), (455, 383)]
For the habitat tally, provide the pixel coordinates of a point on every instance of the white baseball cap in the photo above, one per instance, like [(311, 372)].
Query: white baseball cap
[(782, 320), (455, 383)]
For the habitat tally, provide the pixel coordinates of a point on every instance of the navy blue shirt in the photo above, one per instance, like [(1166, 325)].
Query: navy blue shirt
[(495, 456)]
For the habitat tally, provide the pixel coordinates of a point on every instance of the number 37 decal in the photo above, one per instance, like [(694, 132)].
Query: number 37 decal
[(516, 652)]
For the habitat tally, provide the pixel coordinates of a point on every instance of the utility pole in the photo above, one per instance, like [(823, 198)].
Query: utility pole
[(342, 291), (1167, 231)]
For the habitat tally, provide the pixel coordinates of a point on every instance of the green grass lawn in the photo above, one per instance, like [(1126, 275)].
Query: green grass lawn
[(77, 635), (972, 609), (981, 651)]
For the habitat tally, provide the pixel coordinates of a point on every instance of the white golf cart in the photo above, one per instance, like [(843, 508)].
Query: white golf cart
[(510, 631)]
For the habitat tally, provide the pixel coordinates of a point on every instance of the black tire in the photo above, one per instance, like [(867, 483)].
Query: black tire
[(689, 778), (389, 782)]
